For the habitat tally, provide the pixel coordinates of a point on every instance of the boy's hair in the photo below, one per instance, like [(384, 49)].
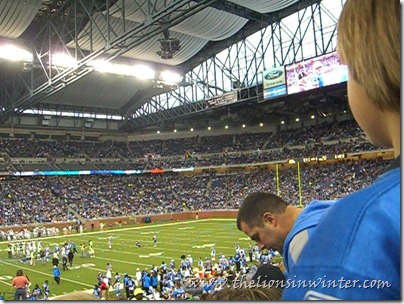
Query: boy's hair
[(255, 205), (369, 43)]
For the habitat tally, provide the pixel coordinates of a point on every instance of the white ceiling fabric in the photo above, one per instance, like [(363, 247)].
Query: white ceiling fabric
[(194, 33), (190, 45), (147, 51), (263, 7), (16, 16), (94, 90), (210, 23)]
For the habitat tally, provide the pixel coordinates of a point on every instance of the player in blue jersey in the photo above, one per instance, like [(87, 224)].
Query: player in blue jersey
[(269, 221), (130, 285), (237, 261), (356, 246)]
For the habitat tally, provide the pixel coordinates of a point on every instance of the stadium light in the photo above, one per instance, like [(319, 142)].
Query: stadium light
[(175, 130), (282, 122), (297, 119), (144, 72), (192, 129), (226, 127), (209, 128), (170, 77), (243, 126), (123, 69), (63, 60), (139, 71), (101, 66), (261, 124), (158, 132), (312, 116), (13, 53)]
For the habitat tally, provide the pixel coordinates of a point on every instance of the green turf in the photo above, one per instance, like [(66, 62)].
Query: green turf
[(174, 240)]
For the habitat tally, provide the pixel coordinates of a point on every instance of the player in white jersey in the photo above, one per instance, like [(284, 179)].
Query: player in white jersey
[(155, 240), (110, 242), (117, 285)]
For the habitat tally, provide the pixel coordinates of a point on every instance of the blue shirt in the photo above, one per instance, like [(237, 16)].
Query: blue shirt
[(56, 272), (153, 280), (358, 239), (303, 227), (146, 281)]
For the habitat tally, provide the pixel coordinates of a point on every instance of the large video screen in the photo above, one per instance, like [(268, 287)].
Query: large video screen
[(315, 73), (274, 82)]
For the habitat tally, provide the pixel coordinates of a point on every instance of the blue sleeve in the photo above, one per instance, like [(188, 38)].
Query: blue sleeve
[(355, 252)]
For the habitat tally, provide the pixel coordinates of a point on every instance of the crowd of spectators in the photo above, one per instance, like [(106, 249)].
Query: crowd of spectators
[(23, 147), (67, 198), (235, 149)]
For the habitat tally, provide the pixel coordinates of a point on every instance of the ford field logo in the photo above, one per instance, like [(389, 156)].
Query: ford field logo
[(273, 74)]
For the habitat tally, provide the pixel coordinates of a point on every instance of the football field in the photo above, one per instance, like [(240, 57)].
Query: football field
[(173, 240)]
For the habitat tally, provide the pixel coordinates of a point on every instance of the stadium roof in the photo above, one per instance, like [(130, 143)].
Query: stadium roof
[(188, 31)]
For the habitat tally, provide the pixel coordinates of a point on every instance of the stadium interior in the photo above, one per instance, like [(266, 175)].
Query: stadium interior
[(122, 110)]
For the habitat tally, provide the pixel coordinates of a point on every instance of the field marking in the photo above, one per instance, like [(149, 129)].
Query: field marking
[(150, 255), (125, 232), (185, 228), (131, 263), (106, 238), (75, 267), (188, 249), (43, 273), (87, 265), (4, 282), (118, 229), (149, 232), (183, 242), (204, 246)]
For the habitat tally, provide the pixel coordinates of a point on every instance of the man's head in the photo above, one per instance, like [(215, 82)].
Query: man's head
[(262, 217), (369, 43)]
